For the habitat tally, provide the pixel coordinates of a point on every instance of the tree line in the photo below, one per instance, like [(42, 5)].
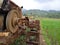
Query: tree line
[(42, 13)]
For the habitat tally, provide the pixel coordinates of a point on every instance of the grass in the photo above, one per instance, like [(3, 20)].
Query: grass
[(51, 30)]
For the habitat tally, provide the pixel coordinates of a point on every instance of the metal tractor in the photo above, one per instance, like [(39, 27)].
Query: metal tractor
[(9, 13), (12, 24)]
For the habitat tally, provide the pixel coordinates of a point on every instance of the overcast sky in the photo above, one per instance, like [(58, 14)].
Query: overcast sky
[(39, 4)]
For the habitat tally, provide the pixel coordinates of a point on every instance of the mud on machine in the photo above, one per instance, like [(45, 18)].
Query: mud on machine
[(9, 15), (12, 24)]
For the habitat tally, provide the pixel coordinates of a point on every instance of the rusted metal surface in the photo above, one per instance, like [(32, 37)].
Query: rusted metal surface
[(16, 7), (34, 32), (16, 25), (22, 30), (6, 13)]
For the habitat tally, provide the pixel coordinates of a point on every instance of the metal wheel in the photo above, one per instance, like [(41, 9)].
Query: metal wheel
[(11, 21)]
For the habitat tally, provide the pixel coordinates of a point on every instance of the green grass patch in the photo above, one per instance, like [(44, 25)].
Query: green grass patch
[(51, 30)]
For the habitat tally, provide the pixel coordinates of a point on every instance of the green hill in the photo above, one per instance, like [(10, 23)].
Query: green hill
[(42, 13)]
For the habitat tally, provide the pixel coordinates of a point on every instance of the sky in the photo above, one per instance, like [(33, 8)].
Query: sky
[(39, 4)]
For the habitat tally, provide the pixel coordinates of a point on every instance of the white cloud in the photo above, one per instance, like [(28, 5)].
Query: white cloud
[(29, 4), (54, 5), (32, 4)]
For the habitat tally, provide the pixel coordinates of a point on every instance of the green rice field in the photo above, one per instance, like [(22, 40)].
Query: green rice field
[(51, 30)]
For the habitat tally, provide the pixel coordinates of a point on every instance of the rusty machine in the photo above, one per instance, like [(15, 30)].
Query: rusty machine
[(12, 24)]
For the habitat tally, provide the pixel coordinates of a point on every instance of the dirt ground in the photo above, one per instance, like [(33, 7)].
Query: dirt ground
[(42, 41)]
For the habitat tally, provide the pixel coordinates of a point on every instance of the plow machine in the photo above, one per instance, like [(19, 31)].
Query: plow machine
[(13, 24)]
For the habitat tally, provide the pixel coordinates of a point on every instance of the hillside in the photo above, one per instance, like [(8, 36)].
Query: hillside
[(42, 13)]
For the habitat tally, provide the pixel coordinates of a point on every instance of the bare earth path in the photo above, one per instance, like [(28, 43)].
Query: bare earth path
[(42, 41)]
